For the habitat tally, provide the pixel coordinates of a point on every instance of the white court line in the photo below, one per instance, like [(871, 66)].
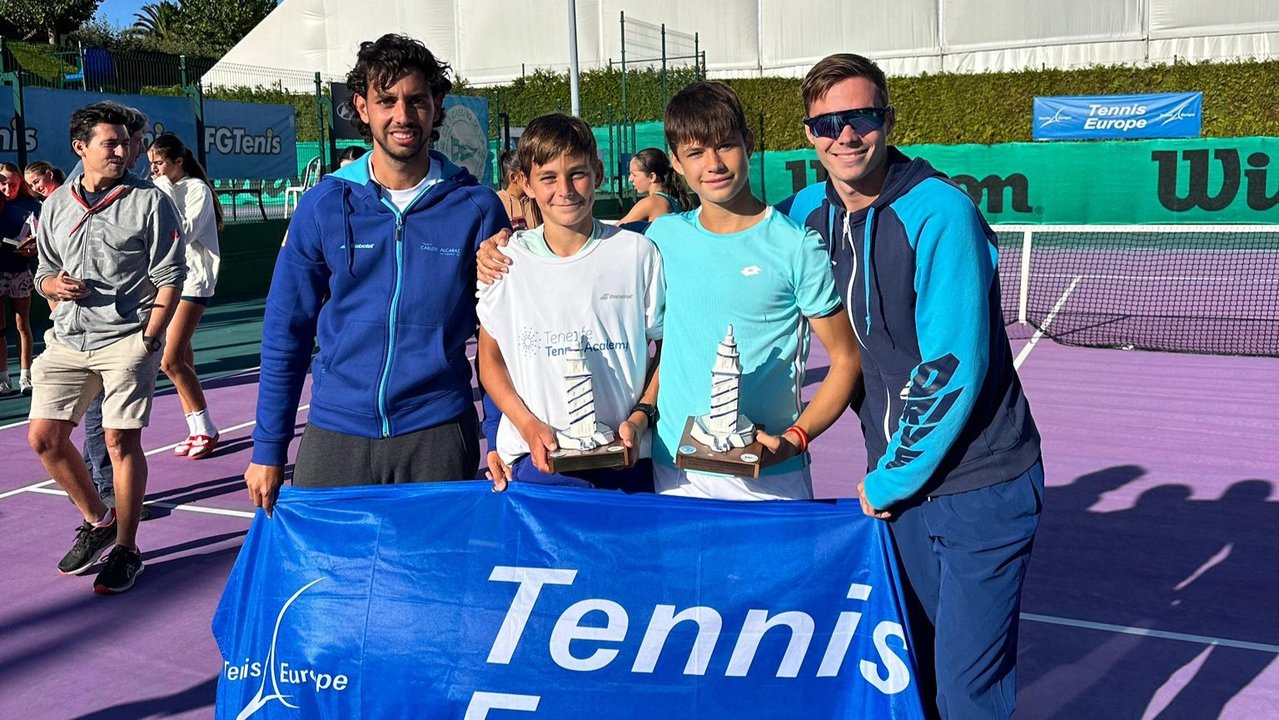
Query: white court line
[(1034, 340), (148, 453), (1147, 632), (167, 391), (158, 503)]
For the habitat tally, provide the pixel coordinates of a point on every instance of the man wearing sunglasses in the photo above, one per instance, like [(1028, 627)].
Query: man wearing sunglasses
[(952, 451)]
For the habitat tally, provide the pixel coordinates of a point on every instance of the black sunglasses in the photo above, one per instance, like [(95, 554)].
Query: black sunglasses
[(863, 121)]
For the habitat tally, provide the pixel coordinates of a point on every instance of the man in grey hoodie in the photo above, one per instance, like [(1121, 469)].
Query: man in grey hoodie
[(111, 257)]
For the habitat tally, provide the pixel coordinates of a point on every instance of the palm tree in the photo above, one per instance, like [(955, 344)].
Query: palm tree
[(156, 21)]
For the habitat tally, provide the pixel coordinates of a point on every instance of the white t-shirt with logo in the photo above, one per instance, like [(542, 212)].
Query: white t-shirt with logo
[(611, 295)]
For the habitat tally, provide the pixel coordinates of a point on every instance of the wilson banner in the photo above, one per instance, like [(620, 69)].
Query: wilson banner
[(451, 601)]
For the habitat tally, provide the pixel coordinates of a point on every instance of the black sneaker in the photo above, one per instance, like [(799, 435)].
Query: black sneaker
[(123, 567), (89, 543)]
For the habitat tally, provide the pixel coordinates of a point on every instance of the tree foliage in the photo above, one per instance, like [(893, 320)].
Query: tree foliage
[(45, 19)]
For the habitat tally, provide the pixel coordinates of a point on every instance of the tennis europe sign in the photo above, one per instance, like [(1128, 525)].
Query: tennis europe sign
[(1118, 117), (452, 601)]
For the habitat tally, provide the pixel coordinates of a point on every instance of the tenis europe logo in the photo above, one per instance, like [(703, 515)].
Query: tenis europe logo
[(278, 676), (1055, 119)]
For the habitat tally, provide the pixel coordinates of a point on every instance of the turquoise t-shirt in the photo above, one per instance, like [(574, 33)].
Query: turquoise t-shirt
[(764, 281)]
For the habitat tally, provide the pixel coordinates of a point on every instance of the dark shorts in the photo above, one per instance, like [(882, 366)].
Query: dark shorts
[(201, 301), (450, 451), (635, 479)]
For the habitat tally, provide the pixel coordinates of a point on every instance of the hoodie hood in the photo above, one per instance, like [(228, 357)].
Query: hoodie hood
[(359, 173), (356, 181), (904, 173)]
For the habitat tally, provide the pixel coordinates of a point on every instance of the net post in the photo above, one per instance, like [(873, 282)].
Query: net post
[(1023, 291)]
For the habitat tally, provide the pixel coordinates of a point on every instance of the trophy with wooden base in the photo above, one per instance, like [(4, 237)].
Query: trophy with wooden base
[(585, 444), (723, 440)]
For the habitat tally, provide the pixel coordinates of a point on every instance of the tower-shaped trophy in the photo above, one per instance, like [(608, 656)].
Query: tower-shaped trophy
[(722, 440), (586, 443)]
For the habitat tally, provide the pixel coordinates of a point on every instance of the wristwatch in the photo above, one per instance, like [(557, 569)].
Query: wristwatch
[(152, 344), (650, 412)]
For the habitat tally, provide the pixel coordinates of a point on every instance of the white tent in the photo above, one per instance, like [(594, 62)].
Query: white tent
[(493, 41)]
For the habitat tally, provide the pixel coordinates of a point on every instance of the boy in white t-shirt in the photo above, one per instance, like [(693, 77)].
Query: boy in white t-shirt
[(582, 286)]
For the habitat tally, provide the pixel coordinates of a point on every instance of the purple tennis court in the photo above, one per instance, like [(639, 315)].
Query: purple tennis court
[(1150, 594)]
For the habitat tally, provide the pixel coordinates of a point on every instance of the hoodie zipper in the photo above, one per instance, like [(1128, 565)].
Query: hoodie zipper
[(391, 321)]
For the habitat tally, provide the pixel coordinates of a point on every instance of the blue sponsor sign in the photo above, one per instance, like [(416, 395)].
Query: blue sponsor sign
[(450, 601), (9, 140), (1109, 117), (48, 120), (250, 140)]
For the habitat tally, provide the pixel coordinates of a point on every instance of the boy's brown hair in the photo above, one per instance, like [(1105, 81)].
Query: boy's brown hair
[(836, 68), (549, 136), (706, 113)]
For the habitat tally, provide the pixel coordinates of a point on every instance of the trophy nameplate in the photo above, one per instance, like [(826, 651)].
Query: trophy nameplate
[(723, 440), (692, 454), (585, 444), (612, 455)]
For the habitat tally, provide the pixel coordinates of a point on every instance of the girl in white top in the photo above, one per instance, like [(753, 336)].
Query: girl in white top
[(176, 171)]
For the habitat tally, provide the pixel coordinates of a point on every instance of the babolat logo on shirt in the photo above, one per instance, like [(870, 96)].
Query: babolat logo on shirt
[(281, 678), (239, 141)]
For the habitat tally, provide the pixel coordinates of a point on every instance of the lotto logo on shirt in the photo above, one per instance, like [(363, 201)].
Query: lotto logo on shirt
[(556, 343)]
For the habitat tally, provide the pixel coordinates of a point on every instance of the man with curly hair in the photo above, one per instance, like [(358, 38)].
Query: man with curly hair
[(379, 267)]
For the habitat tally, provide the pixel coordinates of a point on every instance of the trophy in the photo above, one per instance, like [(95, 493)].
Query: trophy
[(585, 444), (723, 440)]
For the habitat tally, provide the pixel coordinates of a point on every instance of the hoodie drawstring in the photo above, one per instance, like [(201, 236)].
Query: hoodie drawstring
[(868, 269), (346, 226)]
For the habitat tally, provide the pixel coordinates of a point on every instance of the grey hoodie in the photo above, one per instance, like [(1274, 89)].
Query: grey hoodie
[(124, 249)]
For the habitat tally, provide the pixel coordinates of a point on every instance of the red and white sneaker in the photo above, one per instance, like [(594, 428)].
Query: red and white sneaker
[(201, 446), (183, 448)]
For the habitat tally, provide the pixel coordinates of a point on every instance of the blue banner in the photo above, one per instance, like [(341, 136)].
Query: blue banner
[(464, 135), (1110, 117), (250, 140), (49, 111), (9, 128), (451, 601)]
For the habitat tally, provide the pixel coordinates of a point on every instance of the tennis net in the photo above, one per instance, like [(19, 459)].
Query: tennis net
[(1211, 289)]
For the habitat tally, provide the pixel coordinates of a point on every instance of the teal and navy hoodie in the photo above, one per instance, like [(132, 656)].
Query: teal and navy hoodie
[(943, 411), (390, 298)]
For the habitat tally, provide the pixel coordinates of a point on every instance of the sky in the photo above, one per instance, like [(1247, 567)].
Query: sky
[(120, 12)]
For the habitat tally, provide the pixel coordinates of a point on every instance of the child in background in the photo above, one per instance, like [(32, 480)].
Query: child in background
[(519, 206), (177, 172), (653, 176)]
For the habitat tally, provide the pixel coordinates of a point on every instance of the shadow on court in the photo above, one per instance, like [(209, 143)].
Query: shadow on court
[(195, 697), (1171, 563)]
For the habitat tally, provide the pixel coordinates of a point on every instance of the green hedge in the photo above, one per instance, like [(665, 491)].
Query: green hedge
[(932, 109)]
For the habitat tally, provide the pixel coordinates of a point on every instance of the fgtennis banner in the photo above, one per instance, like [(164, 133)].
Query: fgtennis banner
[(451, 601), (1118, 117), (250, 140)]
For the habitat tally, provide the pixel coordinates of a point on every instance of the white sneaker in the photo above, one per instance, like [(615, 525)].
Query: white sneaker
[(24, 385), (6, 387)]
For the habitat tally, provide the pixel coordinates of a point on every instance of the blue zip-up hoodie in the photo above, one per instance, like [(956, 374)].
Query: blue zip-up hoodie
[(390, 298), (944, 411)]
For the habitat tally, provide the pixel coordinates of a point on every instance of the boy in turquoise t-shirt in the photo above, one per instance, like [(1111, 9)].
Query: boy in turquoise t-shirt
[(734, 261)]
